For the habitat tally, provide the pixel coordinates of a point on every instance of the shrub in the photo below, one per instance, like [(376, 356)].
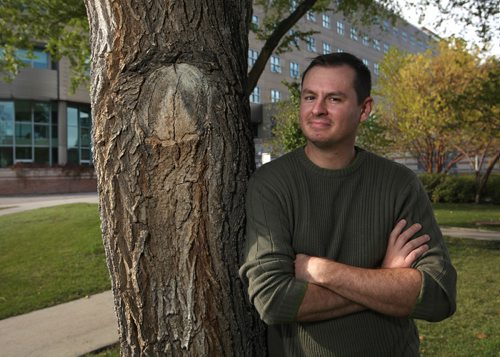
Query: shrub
[(491, 193), (455, 189)]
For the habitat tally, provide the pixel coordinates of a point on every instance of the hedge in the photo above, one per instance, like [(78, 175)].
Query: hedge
[(459, 188)]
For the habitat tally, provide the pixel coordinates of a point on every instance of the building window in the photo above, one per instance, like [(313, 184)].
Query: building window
[(365, 61), (255, 96), (327, 48), (28, 132), (252, 57), (376, 69), (294, 70), (326, 21), (311, 16), (404, 36), (366, 40), (376, 44), (386, 47), (354, 34), (340, 28), (293, 5), (275, 64), (275, 95), (311, 44), (79, 137), (340, 50), (386, 25), (395, 31), (38, 59)]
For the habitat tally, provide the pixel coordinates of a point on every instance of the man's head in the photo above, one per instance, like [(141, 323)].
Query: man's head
[(362, 80)]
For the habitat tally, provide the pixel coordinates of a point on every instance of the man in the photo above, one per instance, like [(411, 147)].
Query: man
[(332, 260)]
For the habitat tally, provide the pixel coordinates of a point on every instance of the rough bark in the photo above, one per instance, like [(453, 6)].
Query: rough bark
[(173, 153)]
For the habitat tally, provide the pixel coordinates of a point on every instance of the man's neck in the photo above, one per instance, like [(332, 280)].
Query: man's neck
[(332, 159)]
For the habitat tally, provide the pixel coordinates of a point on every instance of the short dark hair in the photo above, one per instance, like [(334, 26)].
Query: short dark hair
[(362, 80)]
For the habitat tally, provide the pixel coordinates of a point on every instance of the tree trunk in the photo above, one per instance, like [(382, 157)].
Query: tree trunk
[(173, 153)]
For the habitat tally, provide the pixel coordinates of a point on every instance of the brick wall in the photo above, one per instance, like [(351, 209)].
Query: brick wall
[(24, 181)]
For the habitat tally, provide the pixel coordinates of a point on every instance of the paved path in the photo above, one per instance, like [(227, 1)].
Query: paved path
[(70, 329), (87, 324)]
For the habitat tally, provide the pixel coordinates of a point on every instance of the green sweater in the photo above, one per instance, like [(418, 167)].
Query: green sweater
[(294, 206)]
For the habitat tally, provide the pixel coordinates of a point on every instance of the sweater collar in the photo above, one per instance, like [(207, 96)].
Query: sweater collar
[(348, 170)]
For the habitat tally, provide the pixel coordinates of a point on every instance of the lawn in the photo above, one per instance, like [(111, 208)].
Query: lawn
[(49, 256), (468, 215), (54, 255), (474, 330)]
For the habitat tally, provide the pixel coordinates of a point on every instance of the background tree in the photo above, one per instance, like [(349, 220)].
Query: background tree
[(440, 105)]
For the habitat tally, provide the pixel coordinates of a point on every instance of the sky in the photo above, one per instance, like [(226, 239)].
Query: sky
[(448, 28)]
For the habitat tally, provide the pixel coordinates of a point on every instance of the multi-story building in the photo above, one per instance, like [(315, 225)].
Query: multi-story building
[(45, 140)]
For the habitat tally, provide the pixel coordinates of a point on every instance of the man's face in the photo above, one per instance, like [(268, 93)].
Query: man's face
[(329, 109)]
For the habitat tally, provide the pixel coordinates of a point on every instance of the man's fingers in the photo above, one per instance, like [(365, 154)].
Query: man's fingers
[(415, 254), (415, 243), (404, 237), (396, 231)]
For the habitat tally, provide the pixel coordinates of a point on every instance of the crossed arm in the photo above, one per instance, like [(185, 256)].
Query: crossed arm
[(337, 289)]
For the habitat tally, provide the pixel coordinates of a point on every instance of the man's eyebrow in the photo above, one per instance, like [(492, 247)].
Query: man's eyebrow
[(333, 93)]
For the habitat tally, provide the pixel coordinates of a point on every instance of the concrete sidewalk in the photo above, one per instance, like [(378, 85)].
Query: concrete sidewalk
[(87, 324), (10, 204), (70, 329)]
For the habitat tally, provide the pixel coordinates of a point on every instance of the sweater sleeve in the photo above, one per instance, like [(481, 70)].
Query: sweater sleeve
[(268, 267), (437, 298)]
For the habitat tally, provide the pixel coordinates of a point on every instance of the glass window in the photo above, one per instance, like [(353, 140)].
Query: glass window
[(252, 57), (41, 112), (311, 44), (23, 110), (376, 44), (42, 155), (366, 40), (327, 48), (6, 123), (404, 36), (354, 34), (275, 64), (326, 21), (293, 5), (24, 134), (311, 16), (255, 96), (255, 20), (42, 135), (55, 135), (24, 154), (340, 28), (79, 134), (40, 59), (72, 136), (6, 156), (376, 68), (275, 95), (386, 47), (294, 70), (365, 61)]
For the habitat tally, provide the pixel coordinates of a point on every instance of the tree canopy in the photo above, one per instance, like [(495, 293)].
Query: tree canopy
[(442, 106)]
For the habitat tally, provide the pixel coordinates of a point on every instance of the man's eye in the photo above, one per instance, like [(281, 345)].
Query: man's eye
[(334, 99), (308, 97)]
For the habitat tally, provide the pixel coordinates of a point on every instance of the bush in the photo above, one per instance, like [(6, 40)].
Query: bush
[(491, 193), (442, 188), (455, 189)]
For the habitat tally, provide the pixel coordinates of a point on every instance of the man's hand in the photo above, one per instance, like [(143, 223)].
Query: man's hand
[(402, 251)]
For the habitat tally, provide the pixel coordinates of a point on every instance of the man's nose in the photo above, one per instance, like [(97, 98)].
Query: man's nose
[(319, 107)]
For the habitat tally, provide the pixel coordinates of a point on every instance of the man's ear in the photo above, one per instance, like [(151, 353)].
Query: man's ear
[(366, 109)]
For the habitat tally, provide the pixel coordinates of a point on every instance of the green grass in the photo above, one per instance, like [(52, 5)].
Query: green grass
[(468, 215), (49, 256), (53, 255), (474, 330)]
